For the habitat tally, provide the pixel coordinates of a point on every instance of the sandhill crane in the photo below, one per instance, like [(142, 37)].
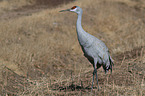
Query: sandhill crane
[(94, 49)]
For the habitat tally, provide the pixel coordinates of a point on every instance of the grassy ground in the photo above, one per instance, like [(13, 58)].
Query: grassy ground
[(40, 54)]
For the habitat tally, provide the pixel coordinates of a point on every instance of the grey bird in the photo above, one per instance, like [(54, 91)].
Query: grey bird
[(94, 49)]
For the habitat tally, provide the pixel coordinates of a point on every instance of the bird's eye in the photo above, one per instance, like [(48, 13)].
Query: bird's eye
[(73, 7)]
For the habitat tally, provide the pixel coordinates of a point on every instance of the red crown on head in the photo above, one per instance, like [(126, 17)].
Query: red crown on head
[(74, 7)]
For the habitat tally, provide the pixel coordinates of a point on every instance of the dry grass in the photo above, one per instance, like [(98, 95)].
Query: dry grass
[(42, 48), (7, 5)]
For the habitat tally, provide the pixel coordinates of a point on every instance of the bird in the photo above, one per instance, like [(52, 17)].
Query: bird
[(94, 49)]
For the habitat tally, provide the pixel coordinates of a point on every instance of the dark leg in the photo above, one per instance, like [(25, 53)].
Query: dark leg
[(97, 78), (95, 72), (92, 81)]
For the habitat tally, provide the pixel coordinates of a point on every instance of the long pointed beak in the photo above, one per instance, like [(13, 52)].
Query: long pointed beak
[(64, 10)]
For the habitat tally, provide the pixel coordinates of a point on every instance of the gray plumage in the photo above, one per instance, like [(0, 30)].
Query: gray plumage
[(94, 49)]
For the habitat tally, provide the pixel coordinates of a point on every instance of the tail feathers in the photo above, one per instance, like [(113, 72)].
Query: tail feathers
[(106, 68), (111, 63)]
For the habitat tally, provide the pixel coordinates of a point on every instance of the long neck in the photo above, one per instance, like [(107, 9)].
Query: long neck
[(82, 35), (79, 24)]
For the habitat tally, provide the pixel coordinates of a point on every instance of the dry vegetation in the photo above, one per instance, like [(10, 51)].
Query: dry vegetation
[(40, 54)]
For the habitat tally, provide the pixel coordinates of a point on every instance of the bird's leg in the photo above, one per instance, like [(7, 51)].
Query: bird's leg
[(96, 78), (92, 81), (95, 72)]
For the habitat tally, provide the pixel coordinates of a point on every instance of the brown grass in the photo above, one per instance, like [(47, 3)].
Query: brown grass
[(40, 54)]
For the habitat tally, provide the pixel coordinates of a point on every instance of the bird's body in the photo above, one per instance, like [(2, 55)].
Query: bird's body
[(94, 49)]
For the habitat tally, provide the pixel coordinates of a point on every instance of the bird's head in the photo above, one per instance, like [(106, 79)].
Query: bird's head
[(75, 9)]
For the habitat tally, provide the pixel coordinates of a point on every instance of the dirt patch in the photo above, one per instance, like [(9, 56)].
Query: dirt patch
[(30, 9), (130, 54), (52, 3), (43, 4), (12, 84)]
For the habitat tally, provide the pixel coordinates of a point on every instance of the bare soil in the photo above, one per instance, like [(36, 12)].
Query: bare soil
[(30, 9)]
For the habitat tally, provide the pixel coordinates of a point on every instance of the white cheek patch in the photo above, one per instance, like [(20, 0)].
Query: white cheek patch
[(73, 9)]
